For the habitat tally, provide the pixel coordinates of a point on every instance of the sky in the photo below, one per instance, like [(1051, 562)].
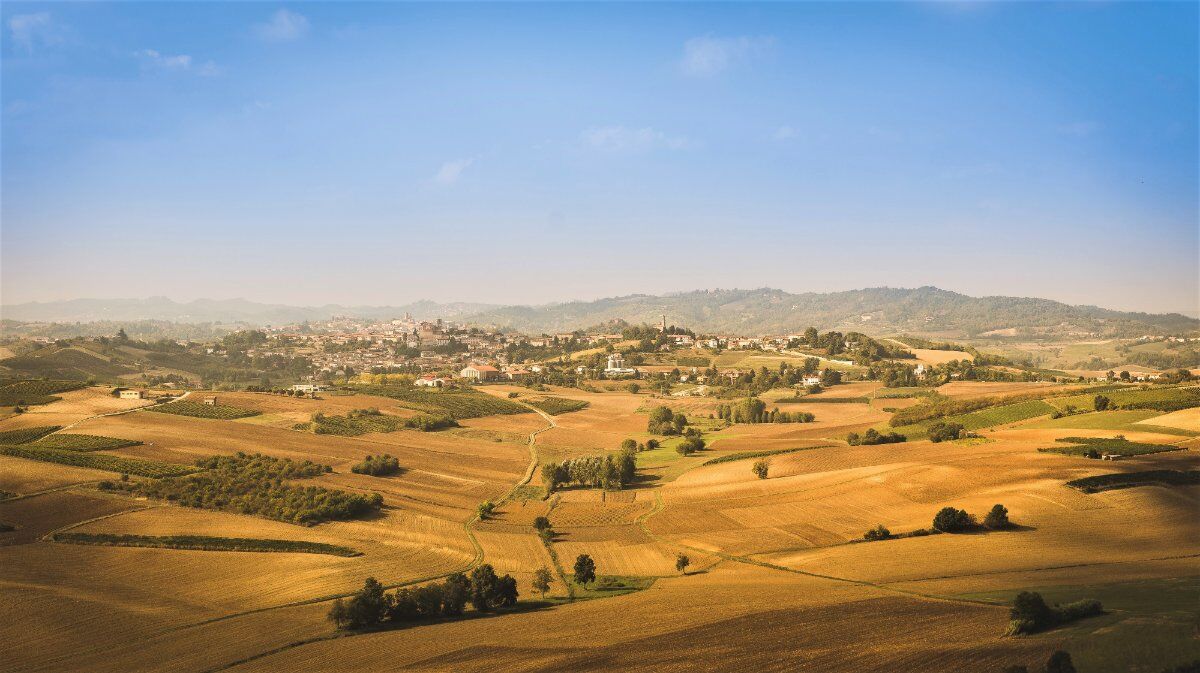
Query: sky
[(379, 153)]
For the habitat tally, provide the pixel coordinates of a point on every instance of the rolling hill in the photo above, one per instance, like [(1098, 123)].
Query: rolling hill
[(873, 310)]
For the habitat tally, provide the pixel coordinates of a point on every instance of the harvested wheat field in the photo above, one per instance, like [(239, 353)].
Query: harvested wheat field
[(776, 562)]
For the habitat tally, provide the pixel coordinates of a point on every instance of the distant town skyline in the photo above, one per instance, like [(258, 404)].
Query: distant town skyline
[(379, 154)]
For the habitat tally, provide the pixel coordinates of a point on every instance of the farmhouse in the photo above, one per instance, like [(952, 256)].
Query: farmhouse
[(480, 373), (130, 394), (210, 401), (813, 379), (430, 381)]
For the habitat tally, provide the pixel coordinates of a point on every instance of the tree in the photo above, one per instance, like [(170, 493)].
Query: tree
[(951, 520), (121, 335), (997, 518), (485, 509), (811, 337), (682, 562), (1101, 402), (541, 581), (629, 444), (542, 523), (368, 605), (761, 467), (585, 569), (689, 446), (1060, 662), (484, 584), (879, 532), (633, 387), (456, 591), (338, 614), (1029, 606)]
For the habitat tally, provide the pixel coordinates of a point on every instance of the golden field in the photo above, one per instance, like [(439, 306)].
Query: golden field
[(778, 578)]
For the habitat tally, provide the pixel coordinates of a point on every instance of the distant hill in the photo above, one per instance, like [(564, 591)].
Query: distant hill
[(238, 311), (924, 310)]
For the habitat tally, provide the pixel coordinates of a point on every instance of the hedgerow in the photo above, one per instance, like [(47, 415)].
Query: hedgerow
[(203, 543)]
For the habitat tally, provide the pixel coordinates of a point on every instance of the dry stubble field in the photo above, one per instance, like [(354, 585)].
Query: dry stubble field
[(778, 581)]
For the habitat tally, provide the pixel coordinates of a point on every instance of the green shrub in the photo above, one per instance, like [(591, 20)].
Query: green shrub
[(877, 533), (377, 466)]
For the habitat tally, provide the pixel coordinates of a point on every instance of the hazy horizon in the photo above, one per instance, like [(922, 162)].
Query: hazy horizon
[(1195, 313), (379, 154)]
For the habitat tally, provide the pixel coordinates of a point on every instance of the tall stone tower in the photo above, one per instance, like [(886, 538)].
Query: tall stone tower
[(664, 324)]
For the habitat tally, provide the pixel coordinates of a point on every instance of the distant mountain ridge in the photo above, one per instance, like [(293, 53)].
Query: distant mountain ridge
[(927, 310), (220, 311)]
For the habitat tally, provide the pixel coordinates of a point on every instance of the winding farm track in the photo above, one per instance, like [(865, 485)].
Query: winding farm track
[(479, 555)]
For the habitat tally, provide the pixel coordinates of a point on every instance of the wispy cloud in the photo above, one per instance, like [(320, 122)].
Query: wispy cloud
[(34, 30), (451, 171), (283, 26), (1080, 129), (622, 139), (785, 132), (178, 62), (706, 56)]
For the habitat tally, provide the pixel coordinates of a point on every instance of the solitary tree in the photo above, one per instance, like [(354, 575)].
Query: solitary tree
[(1101, 402), (542, 523), (633, 387), (761, 467), (585, 569), (541, 581), (997, 518), (682, 562), (486, 508)]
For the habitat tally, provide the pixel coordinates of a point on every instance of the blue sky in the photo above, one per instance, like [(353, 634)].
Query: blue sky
[(525, 153)]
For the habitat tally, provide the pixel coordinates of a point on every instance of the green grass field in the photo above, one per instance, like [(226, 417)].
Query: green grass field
[(199, 410), (1150, 625)]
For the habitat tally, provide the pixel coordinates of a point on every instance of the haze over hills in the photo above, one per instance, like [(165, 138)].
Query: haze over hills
[(765, 310)]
